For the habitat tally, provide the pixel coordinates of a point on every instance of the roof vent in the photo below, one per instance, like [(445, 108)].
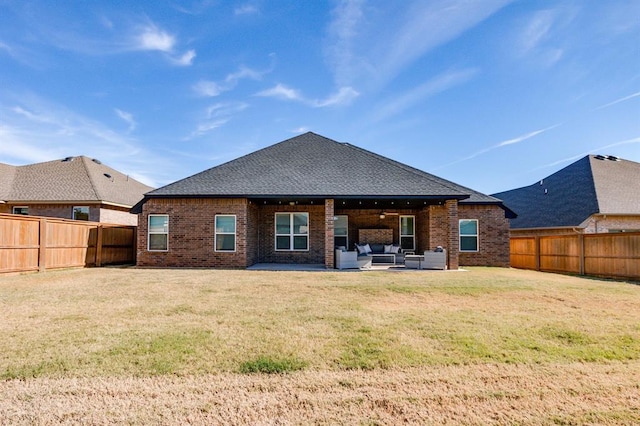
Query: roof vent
[(95, 160), (107, 175), (600, 157), (65, 159), (613, 158)]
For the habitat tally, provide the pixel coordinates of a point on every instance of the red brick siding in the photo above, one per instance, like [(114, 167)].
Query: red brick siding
[(453, 260), (316, 252), (329, 253), (437, 231), (493, 238), (191, 233), (253, 234)]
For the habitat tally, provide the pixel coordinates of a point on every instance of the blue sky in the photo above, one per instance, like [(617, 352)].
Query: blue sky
[(491, 94)]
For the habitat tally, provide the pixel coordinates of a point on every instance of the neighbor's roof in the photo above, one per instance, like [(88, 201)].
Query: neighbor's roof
[(314, 166), (593, 184), (71, 179)]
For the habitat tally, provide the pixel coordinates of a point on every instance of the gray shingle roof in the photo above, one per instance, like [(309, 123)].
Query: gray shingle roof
[(312, 165), (568, 197), (78, 179)]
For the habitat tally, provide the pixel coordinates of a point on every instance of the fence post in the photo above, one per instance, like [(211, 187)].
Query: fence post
[(537, 251), (581, 249), (42, 246), (99, 246)]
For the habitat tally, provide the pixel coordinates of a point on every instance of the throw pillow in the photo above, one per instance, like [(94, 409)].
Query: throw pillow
[(388, 248), (395, 249), (361, 249), (367, 248)]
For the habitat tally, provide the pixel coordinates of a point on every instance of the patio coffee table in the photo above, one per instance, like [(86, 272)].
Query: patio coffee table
[(392, 256)]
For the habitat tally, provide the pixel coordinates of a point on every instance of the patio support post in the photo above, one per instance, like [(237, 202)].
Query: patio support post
[(453, 237), (329, 213)]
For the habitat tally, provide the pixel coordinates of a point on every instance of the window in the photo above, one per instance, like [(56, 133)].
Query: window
[(292, 231), (341, 231), (21, 210), (81, 213), (468, 235), (407, 233), (225, 234), (158, 232)]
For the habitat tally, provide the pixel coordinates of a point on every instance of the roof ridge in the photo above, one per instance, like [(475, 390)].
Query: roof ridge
[(408, 168), (94, 186)]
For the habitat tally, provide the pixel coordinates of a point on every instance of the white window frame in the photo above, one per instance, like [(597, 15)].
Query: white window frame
[(13, 210), (291, 234), (476, 235), (401, 235), (73, 212), (346, 236), (149, 233), (216, 233)]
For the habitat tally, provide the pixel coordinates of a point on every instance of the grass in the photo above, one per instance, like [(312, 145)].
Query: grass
[(122, 324)]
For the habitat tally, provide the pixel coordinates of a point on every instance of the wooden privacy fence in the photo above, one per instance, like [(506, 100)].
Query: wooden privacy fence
[(614, 255), (29, 243)]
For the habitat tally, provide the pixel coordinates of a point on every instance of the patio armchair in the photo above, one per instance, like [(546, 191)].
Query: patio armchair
[(351, 260), (428, 260)]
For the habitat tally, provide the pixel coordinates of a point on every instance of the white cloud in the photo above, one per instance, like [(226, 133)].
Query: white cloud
[(36, 130), (376, 43), (127, 117), (280, 91), (209, 88), (601, 148), (153, 38), (342, 97), (301, 129), (438, 84), (507, 142), (617, 101), (185, 59), (246, 9), (216, 116)]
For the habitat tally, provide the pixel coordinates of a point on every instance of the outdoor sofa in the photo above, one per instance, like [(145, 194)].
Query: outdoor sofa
[(382, 253)]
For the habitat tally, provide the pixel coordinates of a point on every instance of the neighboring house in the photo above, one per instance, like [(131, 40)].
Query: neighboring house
[(595, 194), (73, 188), (297, 200)]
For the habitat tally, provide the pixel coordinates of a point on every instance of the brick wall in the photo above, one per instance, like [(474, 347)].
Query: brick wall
[(317, 228), (375, 236), (329, 253), (493, 238), (191, 233)]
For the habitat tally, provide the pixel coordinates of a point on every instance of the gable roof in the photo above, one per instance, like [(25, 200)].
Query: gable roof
[(310, 165), (595, 184), (70, 179)]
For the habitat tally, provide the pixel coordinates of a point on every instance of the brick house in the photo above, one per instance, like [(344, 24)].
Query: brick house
[(596, 194), (295, 201), (78, 188)]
